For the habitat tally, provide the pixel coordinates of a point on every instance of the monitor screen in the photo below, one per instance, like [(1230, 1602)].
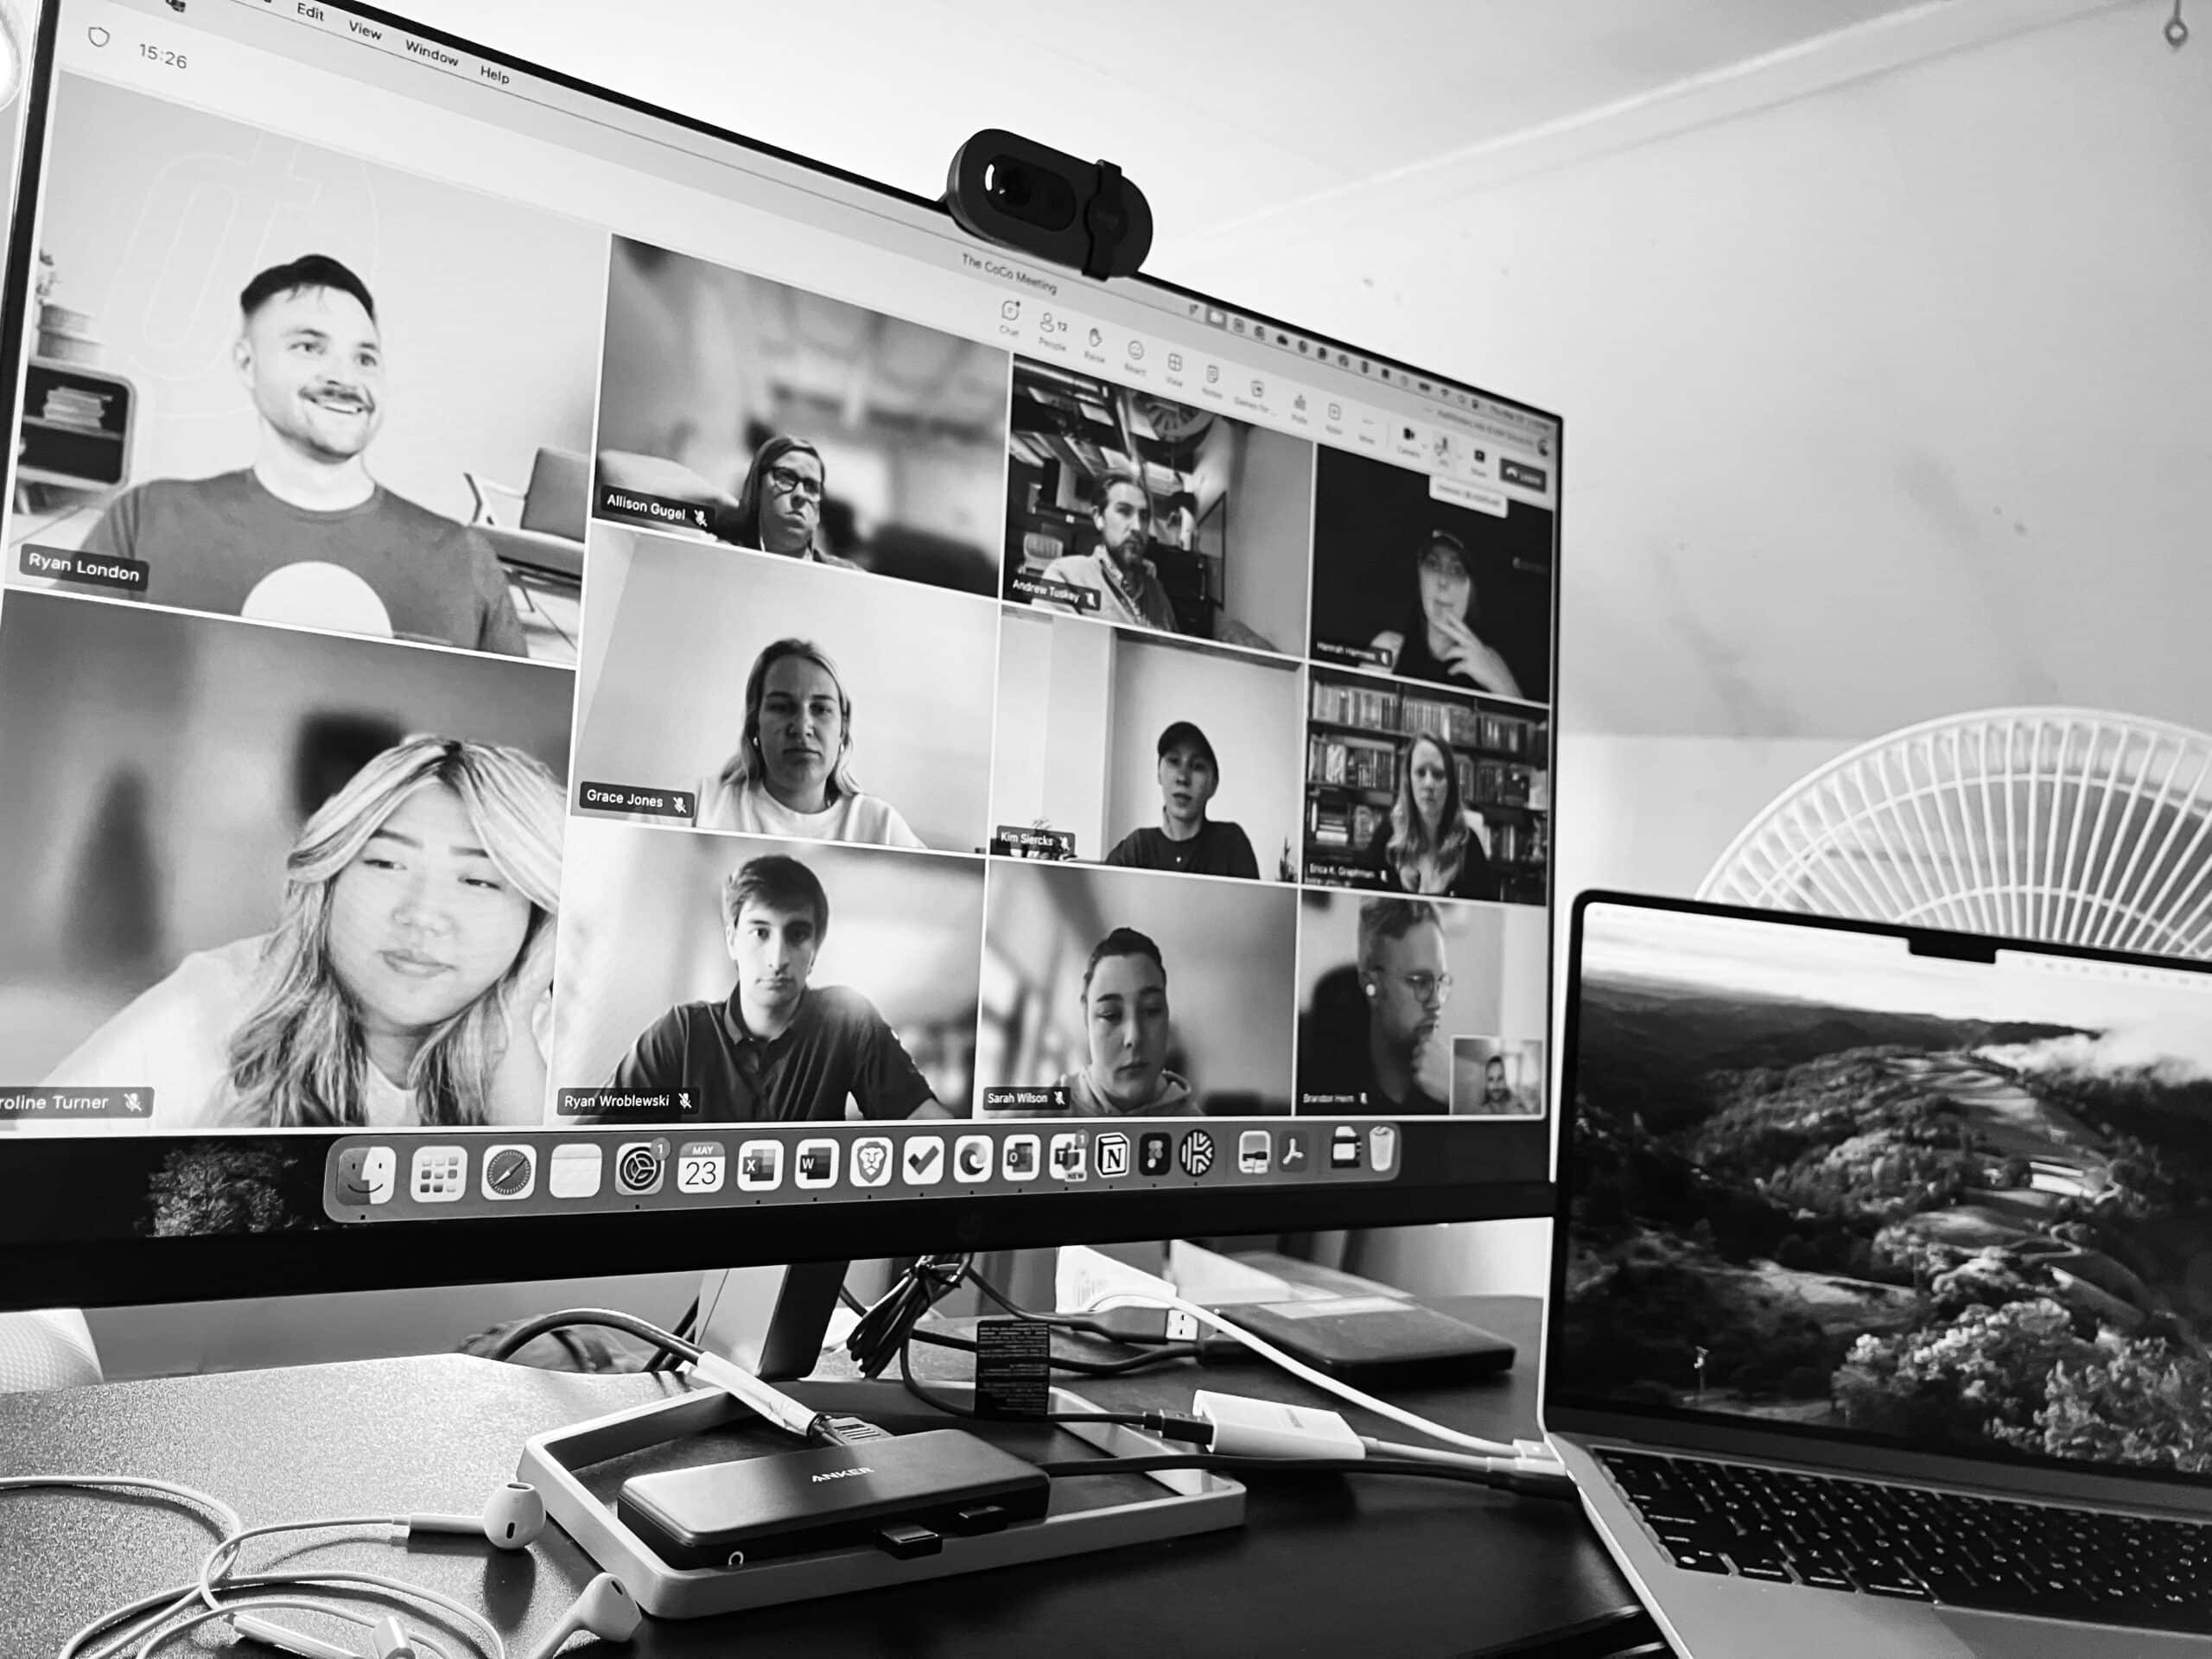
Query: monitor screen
[(573, 687), (1821, 1181)]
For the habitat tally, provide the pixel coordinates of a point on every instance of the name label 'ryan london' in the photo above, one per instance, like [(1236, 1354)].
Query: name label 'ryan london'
[(100, 569)]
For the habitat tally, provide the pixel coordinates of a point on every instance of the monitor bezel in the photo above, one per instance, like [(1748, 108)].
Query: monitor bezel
[(147, 1269)]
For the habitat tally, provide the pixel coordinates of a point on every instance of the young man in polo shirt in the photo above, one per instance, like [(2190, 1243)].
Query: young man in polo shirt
[(777, 1051)]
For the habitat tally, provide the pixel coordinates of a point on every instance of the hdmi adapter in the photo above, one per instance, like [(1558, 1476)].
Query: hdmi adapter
[(901, 1494)]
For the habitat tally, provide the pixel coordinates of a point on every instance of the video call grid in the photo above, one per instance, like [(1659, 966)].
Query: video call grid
[(1302, 677)]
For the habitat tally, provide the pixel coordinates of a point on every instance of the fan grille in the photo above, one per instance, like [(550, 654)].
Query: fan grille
[(2063, 824)]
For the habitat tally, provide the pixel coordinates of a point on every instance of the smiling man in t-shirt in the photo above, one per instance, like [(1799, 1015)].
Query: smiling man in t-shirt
[(306, 535)]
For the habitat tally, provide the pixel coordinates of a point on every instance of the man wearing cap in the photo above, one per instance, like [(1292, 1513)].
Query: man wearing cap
[(1186, 839)]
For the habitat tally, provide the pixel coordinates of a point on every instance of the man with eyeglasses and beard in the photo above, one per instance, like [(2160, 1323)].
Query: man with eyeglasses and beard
[(1395, 1062), (305, 535)]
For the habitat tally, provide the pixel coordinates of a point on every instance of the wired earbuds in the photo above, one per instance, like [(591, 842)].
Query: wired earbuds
[(513, 1519), (605, 1609)]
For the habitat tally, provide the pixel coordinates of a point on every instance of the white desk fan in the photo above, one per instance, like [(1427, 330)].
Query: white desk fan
[(2068, 825)]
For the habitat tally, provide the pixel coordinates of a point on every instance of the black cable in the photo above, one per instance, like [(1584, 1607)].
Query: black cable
[(881, 1334), (1174, 1425), (1532, 1486), (1121, 1366), (663, 1359), (1089, 1324), (644, 1329), (1075, 1321)]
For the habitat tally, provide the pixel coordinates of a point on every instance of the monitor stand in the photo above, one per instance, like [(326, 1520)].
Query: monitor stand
[(572, 1466)]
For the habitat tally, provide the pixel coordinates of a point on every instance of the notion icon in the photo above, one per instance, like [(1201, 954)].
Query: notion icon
[(1112, 1153), (573, 1171), (871, 1162), (366, 1174), (509, 1172), (972, 1157)]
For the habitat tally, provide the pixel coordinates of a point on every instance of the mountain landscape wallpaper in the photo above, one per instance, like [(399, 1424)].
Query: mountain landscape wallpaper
[(1927, 1222)]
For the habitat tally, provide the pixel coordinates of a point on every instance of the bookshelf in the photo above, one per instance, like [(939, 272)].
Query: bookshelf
[(1354, 728)]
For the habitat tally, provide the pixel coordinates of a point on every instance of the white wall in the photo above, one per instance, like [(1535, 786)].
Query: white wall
[(158, 215), (1881, 405), (1250, 709), (668, 707)]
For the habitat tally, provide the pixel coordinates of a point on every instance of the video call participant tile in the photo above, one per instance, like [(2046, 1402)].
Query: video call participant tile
[(1409, 582), (1125, 993), (772, 979), (770, 697), (332, 404), (1199, 746), (737, 409), (1130, 508), (1403, 1000), (276, 880), (1414, 789)]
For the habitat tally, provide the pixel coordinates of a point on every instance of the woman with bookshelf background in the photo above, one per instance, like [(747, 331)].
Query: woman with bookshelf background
[(1430, 844)]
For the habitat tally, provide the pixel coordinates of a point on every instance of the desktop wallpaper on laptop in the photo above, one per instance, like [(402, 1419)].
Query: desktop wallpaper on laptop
[(1821, 1181)]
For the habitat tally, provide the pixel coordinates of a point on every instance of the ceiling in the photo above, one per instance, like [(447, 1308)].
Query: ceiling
[(1225, 111)]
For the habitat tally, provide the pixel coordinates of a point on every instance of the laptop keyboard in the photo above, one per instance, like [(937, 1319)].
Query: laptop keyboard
[(1834, 1533)]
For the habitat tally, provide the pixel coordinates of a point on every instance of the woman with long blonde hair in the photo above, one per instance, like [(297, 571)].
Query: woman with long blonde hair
[(408, 977), (1430, 844), (791, 773)]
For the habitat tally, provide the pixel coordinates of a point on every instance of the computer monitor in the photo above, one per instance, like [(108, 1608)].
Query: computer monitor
[(578, 693)]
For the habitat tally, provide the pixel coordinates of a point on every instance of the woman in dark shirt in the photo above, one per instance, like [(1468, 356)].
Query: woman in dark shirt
[(1429, 846), (1438, 641)]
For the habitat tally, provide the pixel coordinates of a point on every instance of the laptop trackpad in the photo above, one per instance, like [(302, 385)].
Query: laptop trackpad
[(1991, 1635)]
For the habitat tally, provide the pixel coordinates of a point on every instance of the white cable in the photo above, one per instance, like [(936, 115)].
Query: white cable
[(290, 1604), (191, 1494), (185, 1595), (215, 1567), (1531, 1456)]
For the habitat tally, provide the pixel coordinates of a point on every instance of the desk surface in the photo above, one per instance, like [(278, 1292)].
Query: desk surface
[(1324, 1564)]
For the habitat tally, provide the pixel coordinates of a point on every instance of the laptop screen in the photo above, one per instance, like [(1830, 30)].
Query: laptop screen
[(1820, 1180)]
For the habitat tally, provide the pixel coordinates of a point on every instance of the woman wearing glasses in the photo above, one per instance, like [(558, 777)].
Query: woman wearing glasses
[(1429, 844), (780, 507)]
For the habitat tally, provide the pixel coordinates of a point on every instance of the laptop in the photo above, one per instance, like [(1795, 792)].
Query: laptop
[(1881, 1308)]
